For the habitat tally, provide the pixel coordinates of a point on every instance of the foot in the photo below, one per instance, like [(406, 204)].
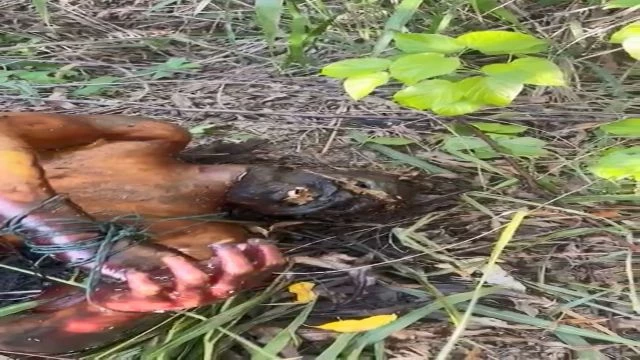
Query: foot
[(180, 282)]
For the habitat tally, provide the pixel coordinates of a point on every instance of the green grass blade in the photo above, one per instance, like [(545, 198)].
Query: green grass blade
[(211, 323), (373, 336), (494, 8), (338, 345), (403, 13), (378, 351), (283, 337), (298, 34), (550, 325), (200, 7), (268, 14), (502, 242), (601, 198), (41, 8), (397, 155), (20, 307), (577, 341), (251, 347), (408, 159), (161, 5)]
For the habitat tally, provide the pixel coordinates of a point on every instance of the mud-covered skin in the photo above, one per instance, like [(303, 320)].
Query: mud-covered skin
[(268, 190), (112, 165)]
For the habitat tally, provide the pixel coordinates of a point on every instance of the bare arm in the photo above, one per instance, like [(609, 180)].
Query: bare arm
[(23, 183), (43, 131)]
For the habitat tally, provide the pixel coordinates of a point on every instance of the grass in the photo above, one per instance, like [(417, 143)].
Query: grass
[(207, 63)]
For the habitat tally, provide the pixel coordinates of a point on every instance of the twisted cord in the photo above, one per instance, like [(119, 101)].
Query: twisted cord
[(109, 233)]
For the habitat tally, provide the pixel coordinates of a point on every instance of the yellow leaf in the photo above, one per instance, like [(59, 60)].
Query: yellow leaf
[(303, 291), (366, 324)]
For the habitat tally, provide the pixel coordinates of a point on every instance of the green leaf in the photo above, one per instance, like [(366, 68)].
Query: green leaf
[(402, 13), (620, 4), (419, 43), (268, 13), (460, 107), (388, 140), (23, 87), (631, 30), (498, 42), (619, 164), (492, 127), (496, 9), (625, 127), (528, 70), (632, 46), (521, 146), (354, 67), (517, 146), (95, 86), (412, 68), (39, 77), (489, 90), (360, 86), (202, 129), (424, 95), (168, 68)]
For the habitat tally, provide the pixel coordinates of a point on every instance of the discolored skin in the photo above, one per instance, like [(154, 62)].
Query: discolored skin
[(111, 165)]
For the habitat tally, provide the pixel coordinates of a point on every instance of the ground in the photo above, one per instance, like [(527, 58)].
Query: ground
[(573, 254)]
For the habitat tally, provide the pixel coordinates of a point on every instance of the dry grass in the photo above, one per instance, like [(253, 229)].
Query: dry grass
[(571, 252)]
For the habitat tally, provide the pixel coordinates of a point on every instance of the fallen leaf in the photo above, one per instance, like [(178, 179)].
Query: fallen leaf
[(474, 354), (607, 213), (284, 224), (59, 98), (366, 324), (181, 101), (498, 276), (303, 291)]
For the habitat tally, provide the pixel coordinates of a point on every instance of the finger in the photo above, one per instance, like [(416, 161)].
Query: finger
[(233, 268)]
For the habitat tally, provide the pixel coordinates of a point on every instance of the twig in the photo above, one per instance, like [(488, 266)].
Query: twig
[(332, 136)]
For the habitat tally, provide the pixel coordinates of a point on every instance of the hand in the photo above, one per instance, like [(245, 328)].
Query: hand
[(160, 280)]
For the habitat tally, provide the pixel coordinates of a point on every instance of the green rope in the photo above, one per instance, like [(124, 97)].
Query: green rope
[(109, 233)]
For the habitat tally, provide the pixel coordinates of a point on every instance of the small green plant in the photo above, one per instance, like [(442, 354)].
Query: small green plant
[(504, 135), (169, 68), (434, 77), (304, 29), (26, 77)]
